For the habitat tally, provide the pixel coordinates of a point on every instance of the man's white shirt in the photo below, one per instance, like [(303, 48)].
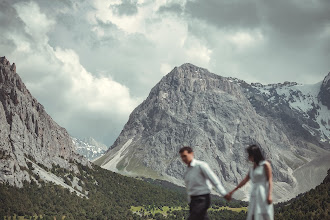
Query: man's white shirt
[(199, 179)]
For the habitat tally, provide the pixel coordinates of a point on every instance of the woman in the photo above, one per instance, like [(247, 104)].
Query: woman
[(260, 206)]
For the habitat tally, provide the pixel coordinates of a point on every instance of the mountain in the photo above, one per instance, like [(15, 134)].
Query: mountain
[(31, 143), (219, 117), (89, 148), (314, 204)]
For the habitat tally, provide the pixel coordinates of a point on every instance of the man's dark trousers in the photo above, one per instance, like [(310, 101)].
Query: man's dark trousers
[(198, 207)]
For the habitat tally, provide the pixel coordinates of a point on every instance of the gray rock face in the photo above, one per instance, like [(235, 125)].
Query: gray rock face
[(324, 95), (219, 117), (28, 132), (89, 148)]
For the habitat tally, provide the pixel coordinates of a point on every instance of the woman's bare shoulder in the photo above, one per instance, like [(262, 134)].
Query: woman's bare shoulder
[(267, 164)]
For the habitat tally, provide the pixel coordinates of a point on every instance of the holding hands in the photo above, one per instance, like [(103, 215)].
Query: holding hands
[(229, 195)]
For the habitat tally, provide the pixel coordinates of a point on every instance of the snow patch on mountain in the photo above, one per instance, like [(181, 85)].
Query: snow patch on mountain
[(89, 148), (50, 177), (118, 156), (304, 99)]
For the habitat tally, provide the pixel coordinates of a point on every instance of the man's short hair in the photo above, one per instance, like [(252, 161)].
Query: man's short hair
[(186, 148)]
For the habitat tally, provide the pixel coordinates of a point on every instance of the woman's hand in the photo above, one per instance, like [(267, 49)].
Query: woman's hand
[(269, 200), (229, 195)]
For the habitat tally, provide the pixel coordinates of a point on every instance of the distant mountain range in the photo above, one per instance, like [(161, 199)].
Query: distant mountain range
[(89, 148), (219, 117)]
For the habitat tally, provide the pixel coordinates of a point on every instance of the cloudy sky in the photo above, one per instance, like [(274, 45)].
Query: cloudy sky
[(91, 62)]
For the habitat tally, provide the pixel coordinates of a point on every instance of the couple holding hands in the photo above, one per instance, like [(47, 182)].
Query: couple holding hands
[(199, 179)]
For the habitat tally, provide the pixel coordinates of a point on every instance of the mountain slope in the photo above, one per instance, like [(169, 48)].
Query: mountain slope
[(314, 204), (31, 143), (219, 117)]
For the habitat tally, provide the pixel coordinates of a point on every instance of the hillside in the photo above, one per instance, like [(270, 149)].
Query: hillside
[(110, 196), (312, 205)]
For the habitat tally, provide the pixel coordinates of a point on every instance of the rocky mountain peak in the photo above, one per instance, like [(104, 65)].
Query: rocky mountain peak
[(190, 79), (324, 94), (4, 61)]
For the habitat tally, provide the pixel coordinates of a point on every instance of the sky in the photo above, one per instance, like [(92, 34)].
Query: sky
[(91, 62)]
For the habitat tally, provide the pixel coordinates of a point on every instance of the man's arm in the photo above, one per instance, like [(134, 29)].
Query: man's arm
[(213, 178)]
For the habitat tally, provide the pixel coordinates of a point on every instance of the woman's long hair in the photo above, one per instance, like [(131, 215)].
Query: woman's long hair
[(255, 152)]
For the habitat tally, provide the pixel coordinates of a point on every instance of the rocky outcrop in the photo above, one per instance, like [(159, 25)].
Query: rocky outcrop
[(28, 133)]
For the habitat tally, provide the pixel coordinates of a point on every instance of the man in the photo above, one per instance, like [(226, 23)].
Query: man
[(198, 178)]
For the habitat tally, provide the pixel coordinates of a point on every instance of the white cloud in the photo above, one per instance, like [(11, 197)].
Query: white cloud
[(165, 68), (36, 23), (244, 39), (169, 34), (97, 94), (60, 82)]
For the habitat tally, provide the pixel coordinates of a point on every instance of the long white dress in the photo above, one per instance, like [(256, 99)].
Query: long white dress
[(259, 209)]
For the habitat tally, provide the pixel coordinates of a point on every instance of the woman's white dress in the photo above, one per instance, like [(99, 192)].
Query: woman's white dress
[(259, 209)]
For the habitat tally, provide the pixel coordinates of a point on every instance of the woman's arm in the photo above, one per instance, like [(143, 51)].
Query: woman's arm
[(269, 176), (242, 183)]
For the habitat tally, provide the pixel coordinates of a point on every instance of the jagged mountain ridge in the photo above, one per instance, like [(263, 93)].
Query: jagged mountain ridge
[(31, 143), (89, 148), (219, 117), (295, 102)]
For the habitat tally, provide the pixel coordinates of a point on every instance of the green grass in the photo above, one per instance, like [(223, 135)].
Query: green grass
[(149, 210), (16, 217), (228, 208), (166, 209)]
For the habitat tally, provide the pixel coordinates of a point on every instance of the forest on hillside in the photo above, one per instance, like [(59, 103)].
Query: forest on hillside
[(110, 196)]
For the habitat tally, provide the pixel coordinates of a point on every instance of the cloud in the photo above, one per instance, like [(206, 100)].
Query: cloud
[(36, 23), (265, 41), (229, 14), (126, 7), (171, 8), (95, 94), (91, 62)]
